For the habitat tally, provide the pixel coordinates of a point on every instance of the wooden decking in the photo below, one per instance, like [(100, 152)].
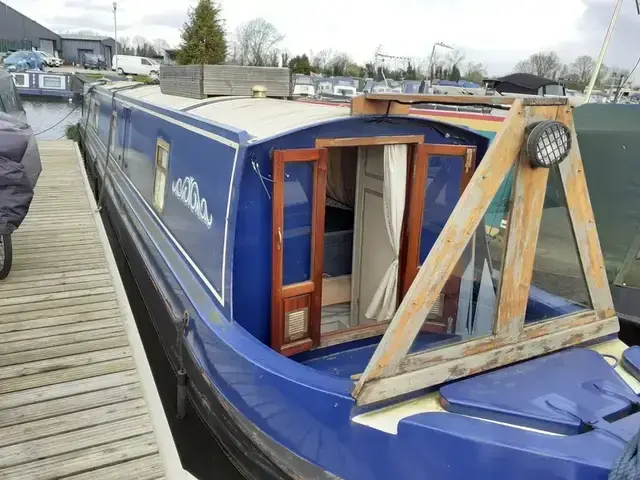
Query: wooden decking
[(77, 399)]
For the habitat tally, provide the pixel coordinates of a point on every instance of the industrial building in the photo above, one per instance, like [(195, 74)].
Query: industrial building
[(73, 46), (19, 32)]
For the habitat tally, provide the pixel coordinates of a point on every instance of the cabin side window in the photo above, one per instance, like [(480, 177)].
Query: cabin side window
[(94, 114), (113, 138), (160, 174)]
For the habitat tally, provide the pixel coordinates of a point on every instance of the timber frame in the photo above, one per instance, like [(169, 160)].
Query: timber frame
[(391, 372)]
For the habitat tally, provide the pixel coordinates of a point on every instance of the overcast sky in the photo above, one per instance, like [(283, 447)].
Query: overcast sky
[(494, 32)]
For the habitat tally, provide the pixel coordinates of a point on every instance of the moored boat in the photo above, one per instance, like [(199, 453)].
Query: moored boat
[(292, 254)]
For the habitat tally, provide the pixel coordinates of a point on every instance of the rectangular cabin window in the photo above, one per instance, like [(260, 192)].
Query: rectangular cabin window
[(94, 114), (52, 82), (113, 137), (160, 175)]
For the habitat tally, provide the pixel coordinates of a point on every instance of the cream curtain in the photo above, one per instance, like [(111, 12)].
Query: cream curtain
[(385, 301)]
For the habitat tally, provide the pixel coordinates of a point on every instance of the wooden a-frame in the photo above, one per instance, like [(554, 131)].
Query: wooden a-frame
[(391, 372)]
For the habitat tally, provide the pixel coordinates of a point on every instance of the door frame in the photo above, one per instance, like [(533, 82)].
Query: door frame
[(355, 332)]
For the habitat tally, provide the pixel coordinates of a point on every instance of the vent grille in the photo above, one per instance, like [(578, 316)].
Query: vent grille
[(296, 324), (437, 310)]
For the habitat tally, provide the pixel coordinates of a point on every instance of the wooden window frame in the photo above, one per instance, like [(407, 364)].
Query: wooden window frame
[(310, 291), (412, 232), (94, 111), (113, 131), (391, 372), (160, 145)]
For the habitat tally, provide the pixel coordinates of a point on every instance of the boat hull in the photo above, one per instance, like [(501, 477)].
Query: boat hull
[(234, 432)]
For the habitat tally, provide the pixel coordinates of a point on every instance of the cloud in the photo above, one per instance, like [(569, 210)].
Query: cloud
[(495, 32), (172, 19), (99, 23)]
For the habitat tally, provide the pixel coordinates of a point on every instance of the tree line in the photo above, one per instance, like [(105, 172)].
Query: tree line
[(575, 75), (258, 43)]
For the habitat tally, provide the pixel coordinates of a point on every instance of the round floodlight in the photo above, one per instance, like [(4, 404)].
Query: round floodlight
[(548, 143)]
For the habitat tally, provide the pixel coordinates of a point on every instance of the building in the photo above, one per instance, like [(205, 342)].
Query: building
[(19, 32), (74, 46)]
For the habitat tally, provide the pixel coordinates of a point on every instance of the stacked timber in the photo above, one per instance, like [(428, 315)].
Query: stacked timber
[(182, 80), (200, 81)]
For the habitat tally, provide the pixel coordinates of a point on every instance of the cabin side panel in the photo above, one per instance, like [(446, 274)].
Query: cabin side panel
[(182, 175), (253, 245)]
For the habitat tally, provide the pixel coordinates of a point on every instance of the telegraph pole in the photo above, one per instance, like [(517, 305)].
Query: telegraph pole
[(115, 31)]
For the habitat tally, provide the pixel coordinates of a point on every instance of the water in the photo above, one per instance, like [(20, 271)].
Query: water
[(50, 118), (200, 453)]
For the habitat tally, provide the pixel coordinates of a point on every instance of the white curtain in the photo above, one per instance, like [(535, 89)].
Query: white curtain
[(385, 301)]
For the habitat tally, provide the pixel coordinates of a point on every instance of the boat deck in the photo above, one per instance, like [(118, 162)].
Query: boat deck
[(77, 399)]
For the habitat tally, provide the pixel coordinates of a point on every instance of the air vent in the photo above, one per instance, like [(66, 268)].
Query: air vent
[(436, 311), (296, 324)]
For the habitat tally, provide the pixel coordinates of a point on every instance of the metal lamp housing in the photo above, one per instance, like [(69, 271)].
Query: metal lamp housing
[(548, 143)]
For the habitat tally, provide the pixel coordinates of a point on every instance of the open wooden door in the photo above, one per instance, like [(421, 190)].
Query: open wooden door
[(299, 189), (439, 175)]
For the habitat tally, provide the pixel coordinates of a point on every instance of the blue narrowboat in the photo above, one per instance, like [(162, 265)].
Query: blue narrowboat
[(330, 285)]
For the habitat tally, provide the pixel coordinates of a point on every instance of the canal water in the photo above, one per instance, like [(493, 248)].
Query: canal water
[(199, 451)]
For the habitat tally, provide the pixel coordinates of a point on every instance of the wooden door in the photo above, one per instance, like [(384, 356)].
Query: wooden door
[(427, 210), (299, 189), (373, 252)]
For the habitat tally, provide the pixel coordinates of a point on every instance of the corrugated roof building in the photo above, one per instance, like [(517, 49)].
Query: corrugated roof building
[(74, 46), (19, 32)]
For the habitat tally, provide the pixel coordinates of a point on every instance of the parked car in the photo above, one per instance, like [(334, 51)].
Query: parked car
[(94, 61), (133, 65), (50, 60), (24, 60)]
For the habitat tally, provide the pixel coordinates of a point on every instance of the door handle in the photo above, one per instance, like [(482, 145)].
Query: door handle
[(279, 239)]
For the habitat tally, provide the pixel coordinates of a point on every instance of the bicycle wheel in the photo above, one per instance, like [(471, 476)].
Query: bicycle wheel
[(6, 256)]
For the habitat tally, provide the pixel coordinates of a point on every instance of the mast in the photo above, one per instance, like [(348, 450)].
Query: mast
[(603, 50)]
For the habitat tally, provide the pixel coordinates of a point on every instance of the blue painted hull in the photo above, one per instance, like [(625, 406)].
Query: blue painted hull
[(276, 417)]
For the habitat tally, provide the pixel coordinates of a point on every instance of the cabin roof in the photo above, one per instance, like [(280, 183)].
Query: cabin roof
[(152, 94), (266, 117)]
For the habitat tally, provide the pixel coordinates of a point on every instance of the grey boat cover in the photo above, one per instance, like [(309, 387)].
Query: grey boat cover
[(20, 167)]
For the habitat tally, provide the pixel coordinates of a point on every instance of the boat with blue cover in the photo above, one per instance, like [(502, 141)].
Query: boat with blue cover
[(330, 286)]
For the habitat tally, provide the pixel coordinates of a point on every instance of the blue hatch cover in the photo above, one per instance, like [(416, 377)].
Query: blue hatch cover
[(549, 393)]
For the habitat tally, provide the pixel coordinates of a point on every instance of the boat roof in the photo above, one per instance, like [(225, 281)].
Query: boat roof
[(259, 117)]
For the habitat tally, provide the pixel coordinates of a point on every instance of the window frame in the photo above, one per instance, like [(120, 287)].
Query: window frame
[(94, 114), (161, 145), (113, 131)]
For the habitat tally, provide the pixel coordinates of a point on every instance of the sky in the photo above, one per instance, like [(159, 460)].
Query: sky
[(494, 32)]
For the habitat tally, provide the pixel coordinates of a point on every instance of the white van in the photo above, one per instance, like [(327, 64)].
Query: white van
[(132, 65)]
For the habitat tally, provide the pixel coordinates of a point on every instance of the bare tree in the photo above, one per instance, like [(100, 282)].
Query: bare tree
[(320, 60), (475, 72), (582, 68), (523, 66), (160, 45), (256, 41), (543, 64), (455, 58), (338, 63)]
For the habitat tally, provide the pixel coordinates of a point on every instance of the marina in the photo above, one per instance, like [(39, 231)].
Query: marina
[(232, 260), (77, 399)]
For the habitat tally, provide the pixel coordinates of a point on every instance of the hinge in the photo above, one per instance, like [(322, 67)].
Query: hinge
[(469, 161)]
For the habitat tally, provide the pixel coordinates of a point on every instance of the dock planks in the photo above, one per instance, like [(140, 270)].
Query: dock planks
[(77, 399)]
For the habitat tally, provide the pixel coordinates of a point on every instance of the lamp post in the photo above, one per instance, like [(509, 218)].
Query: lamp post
[(115, 30), (433, 51)]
